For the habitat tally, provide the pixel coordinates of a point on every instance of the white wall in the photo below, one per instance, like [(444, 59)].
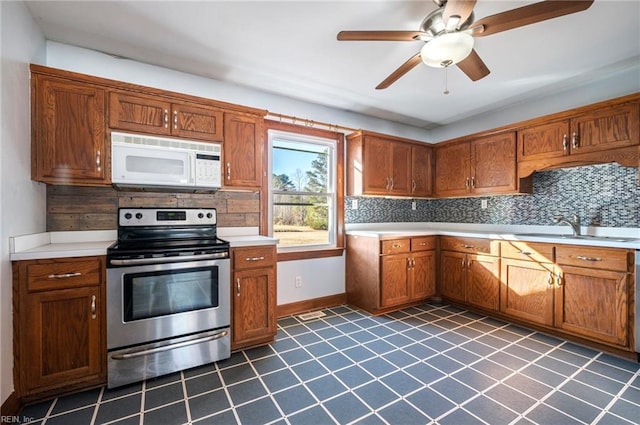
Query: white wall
[(320, 278), (91, 62), (607, 83), (22, 202)]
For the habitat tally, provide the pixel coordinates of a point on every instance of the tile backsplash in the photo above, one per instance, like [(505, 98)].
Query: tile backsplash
[(606, 195)]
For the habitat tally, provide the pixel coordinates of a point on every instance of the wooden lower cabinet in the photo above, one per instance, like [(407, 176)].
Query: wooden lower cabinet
[(527, 290), (468, 275), (594, 304), (59, 324), (384, 275), (253, 294)]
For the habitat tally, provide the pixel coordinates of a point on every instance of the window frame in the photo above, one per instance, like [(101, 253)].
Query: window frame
[(312, 251)]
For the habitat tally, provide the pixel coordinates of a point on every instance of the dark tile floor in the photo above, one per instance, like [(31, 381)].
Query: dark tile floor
[(428, 364)]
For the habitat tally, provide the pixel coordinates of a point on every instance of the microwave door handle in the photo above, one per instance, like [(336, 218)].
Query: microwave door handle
[(193, 159)]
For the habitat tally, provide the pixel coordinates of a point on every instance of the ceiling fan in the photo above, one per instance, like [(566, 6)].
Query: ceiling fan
[(449, 30)]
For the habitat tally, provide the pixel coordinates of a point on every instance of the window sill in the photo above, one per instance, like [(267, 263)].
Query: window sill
[(309, 254)]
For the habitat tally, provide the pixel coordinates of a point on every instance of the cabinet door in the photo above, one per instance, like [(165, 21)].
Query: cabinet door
[(527, 290), (421, 171), (493, 162), (243, 150), (548, 140), (452, 275), (376, 166), (400, 169), (594, 304), (146, 114), (254, 305), (394, 280), (608, 128), (68, 132), (63, 340), (483, 283), (197, 122), (423, 275), (453, 170)]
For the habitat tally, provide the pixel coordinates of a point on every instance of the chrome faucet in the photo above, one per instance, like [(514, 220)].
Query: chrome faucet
[(575, 224)]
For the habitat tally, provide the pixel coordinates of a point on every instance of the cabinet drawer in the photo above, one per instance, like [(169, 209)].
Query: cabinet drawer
[(61, 274), (532, 251), (254, 257), (395, 246), (470, 245), (423, 243), (593, 258)]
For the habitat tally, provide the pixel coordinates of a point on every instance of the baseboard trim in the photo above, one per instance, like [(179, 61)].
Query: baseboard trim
[(10, 409), (312, 304)]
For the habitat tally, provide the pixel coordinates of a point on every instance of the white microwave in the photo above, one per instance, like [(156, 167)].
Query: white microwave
[(148, 161)]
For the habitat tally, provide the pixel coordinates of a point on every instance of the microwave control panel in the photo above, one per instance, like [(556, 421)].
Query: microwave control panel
[(208, 172)]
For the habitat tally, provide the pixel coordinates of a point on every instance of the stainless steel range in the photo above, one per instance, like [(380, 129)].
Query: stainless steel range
[(168, 289)]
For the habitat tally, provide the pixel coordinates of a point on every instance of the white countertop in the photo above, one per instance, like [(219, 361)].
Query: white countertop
[(601, 236), (87, 243)]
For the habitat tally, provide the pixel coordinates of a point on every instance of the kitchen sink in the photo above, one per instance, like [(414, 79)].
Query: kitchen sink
[(580, 237)]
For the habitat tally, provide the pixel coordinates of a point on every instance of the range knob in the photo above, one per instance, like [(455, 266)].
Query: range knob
[(128, 216), (138, 216), (209, 215), (200, 215)]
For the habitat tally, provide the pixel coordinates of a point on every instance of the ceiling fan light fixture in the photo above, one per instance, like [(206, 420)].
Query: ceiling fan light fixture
[(447, 49)]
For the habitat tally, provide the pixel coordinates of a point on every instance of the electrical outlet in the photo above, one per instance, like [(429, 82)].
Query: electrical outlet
[(413, 205), (298, 281), (354, 204), (484, 204)]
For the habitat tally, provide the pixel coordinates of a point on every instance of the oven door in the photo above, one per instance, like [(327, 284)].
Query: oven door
[(148, 303)]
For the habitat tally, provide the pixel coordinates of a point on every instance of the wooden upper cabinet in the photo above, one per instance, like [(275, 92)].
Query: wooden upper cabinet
[(387, 166), (601, 129), (68, 142), (493, 161), (242, 150), (607, 128), (421, 171), (162, 116), (453, 169), (483, 166)]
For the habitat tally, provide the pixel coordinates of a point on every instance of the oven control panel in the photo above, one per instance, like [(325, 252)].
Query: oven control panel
[(166, 216)]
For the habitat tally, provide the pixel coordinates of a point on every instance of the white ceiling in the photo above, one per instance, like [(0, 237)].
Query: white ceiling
[(290, 48)]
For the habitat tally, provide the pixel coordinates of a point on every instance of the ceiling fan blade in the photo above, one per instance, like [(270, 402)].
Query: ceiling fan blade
[(381, 35), (461, 8), (403, 69), (530, 14), (473, 66)]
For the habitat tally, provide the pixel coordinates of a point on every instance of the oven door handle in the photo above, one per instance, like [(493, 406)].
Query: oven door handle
[(168, 347), (178, 258)]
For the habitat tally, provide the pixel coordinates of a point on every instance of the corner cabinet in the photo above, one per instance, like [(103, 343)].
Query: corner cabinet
[(483, 166), (243, 150), (68, 141), (59, 324), (387, 166), (385, 275), (253, 294), (470, 270)]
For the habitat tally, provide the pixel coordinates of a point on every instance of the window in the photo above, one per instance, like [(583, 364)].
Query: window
[(305, 187)]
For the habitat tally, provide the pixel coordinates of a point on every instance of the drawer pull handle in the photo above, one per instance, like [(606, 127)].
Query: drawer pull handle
[(582, 257), (254, 259), (423, 243), (64, 275), (467, 246), (396, 245), (525, 253), (93, 306)]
